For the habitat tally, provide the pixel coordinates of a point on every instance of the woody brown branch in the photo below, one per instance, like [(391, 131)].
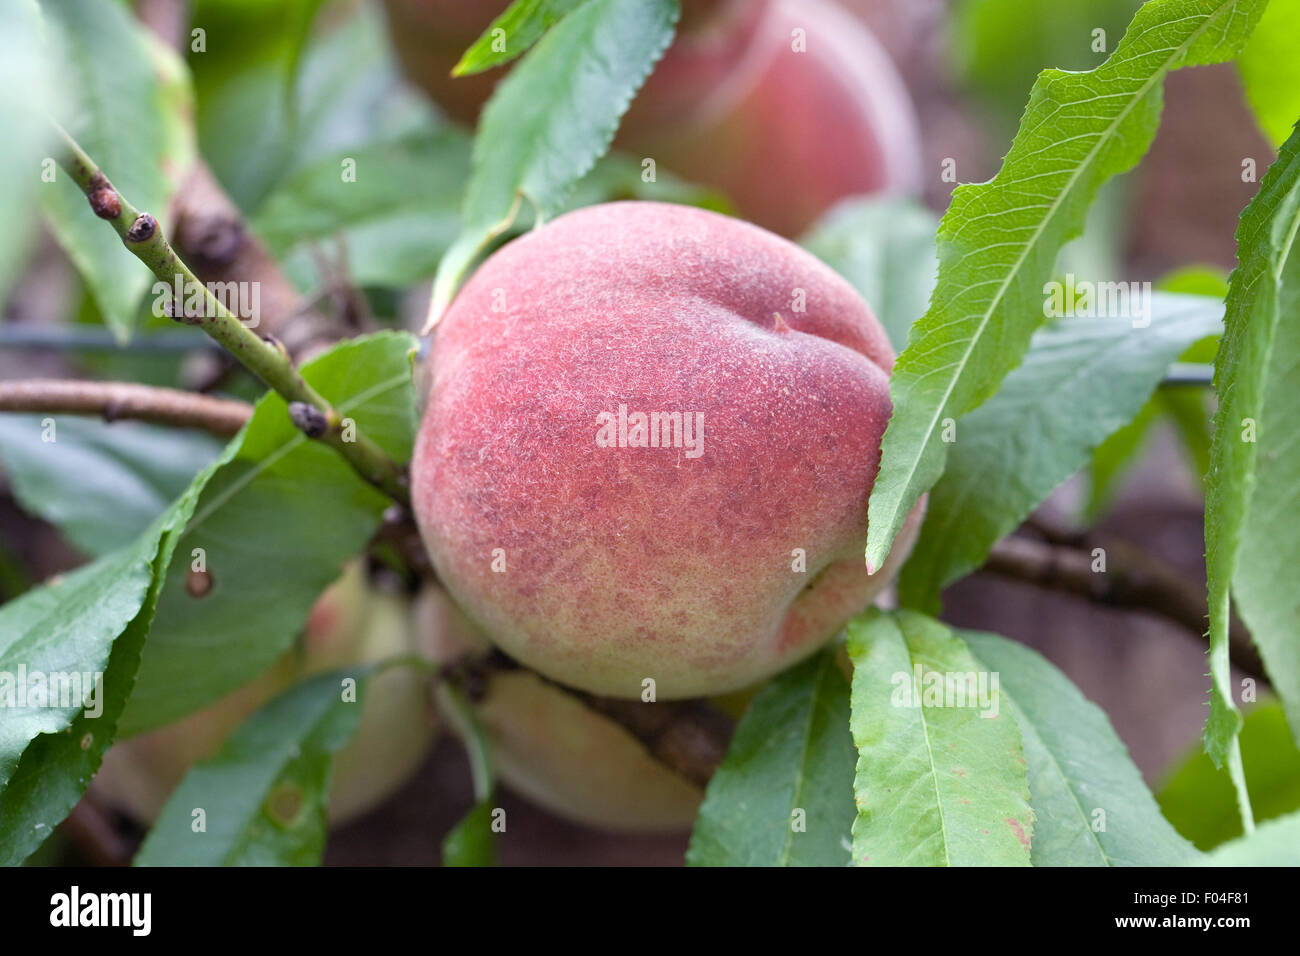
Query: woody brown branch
[(1133, 579), (212, 236), (119, 400)]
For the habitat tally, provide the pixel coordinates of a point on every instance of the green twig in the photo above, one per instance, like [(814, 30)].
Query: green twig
[(264, 357)]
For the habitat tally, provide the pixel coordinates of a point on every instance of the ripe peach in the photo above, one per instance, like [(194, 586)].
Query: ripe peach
[(647, 451), (809, 112), (786, 106), (350, 624), (554, 749)]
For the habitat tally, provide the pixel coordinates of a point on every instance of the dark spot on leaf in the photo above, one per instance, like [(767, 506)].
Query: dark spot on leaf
[(284, 805), (198, 583), (1019, 831)]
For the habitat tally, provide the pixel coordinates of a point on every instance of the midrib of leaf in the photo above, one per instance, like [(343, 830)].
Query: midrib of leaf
[(219, 500), (1031, 244), (784, 858), (934, 771), (1287, 246)]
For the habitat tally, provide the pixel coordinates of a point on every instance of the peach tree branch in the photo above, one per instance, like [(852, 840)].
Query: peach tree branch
[(118, 400), (265, 358), (1133, 580)]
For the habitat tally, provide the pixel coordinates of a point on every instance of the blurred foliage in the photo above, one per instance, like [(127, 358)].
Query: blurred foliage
[(26, 132), (1185, 408), (999, 46), (471, 842), (130, 113), (244, 84), (884, 247), (521, 25), (1270, 70), (1198, 799), (270, 781), (265, 540), (100, 484)]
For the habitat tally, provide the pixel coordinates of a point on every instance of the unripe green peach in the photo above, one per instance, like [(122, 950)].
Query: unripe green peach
[(551, 747), (351, 623)]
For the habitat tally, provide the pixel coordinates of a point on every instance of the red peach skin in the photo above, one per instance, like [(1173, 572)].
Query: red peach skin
[(785, 134), (615, 565)]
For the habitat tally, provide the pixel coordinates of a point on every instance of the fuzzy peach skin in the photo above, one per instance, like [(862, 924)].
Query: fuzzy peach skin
[(603, 567), (349, 624), (548, 745), (786, 132)]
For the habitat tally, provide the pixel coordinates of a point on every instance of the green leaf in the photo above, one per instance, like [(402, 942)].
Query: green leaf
[(263, 796), (784, 794), (1000, 45), (1254, 478), (130, 117), (1270, 69), (91, 622), (1276, 843), (1113, 458), (393, 205), (551, 118), (100, 484), (1186, 407), (1091, 807), (478, 746), (244, 84), (1082, 379), (1199, 800), (471, 842), (29, 88), (941, 778), (275, 525), (999, 240), (884, 247), (1196, 280), (521, 26), (349, 91)]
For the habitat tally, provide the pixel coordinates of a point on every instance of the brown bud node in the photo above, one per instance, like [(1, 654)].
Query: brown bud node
[(308, 419), (105, 202), (143, 228)]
